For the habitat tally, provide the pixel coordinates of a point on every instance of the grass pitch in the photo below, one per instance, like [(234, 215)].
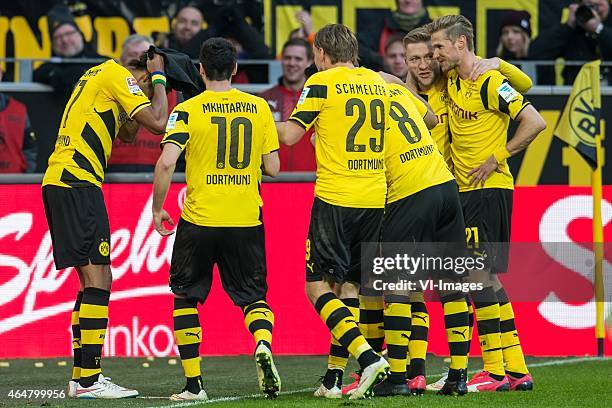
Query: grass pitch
[(231, 382)]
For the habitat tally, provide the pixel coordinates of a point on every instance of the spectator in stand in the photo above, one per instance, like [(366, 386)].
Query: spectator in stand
[(282, 98), (586, 36), (142, 154), (18, 149), (395, 58), (68, 43), (187, 33), (514, 36), (410, 14), (225, 21)]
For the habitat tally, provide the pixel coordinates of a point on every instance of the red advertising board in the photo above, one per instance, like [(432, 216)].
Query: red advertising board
[(37, 299)]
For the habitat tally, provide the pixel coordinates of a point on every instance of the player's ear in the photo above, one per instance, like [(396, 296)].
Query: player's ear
[(235, 69), (202, 72)]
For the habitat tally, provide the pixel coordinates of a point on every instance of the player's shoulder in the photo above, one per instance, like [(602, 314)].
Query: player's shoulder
[(491, 77), (112, 67), (396, 90)]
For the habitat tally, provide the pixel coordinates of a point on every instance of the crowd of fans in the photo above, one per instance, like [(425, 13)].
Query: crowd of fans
[(586, 35)]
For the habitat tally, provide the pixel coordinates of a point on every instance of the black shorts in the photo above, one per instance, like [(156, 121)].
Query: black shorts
[(78, 223), (429, 222), (431, 215), (488, 216), (239, 252), (335, 235)]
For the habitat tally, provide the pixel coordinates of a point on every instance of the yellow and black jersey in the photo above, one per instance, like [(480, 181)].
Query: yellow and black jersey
[(348, 108), (479, 113), (101, 102), (437, 98), (412, 158), (224, 135)]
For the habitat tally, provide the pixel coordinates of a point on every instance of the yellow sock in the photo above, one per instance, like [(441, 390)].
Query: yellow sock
[(511, 344), (340, 322), (259, 320), (417, 347), (456, 322), (487, 319), (188, 335), (397, 335), (371, 321), (338, 355)]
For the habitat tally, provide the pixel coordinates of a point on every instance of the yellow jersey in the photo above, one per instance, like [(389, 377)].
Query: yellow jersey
[(437, 98), (102, 101), (348, 108), (412, 158), (479, 114), (224, 135)]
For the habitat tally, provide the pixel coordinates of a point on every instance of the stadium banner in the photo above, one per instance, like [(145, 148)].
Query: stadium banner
[(36, 300)]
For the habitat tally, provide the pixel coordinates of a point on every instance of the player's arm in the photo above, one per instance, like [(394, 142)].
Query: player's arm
[(127, 132), (155, 116), (164, 169), (289, 132), (430, 118), (503, 98), (305, 113), (518, 79), (271, 164), (530, 124)]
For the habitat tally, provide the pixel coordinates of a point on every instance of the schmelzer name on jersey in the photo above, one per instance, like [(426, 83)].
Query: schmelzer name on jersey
[(232, 179), (361, 89), (229, 107), (462, 113), (416, 153), (366, 164)]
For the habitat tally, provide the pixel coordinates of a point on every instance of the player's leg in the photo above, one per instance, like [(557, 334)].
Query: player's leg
[(76, 340), (417, 347), (338, 355), (58, 204), (191, 268), (479, 237), (397, 326), (328, 258), (516, 369), (242, 268), (450, 236)]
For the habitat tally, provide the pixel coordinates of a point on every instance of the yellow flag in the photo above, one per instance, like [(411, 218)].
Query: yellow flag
[(580, 123)]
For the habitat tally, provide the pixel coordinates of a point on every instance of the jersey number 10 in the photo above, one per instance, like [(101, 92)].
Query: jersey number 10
[(235, 126)]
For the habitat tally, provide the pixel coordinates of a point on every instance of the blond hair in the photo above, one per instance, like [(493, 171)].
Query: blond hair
[(416, 36), (338, 42), (454, 26)]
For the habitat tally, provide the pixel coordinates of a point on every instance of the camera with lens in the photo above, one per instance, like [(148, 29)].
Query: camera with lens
[(584, 13)]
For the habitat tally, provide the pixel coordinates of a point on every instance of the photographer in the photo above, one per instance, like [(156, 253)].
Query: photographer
[(586, 36)]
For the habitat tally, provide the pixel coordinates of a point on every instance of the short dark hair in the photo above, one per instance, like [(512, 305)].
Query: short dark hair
[(338, 42), (299, 42), (218, 58)]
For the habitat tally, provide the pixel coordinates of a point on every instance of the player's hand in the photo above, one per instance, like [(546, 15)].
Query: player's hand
[(483, 65), (156, 63), (144, 82), (158, 221), (481, 173)]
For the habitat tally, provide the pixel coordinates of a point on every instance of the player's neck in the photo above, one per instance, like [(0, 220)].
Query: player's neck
[(466, 64), (341, 64), (218, 86)]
